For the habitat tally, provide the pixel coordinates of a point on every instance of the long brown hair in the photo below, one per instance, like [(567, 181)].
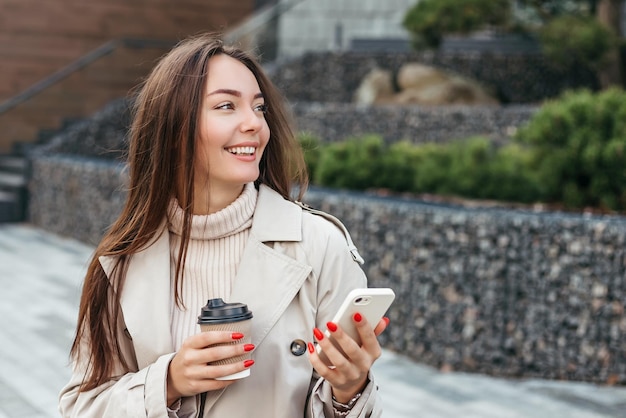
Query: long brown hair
[(160, 160)]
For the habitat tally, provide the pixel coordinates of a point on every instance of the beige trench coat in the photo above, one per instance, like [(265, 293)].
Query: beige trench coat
[(296, 269)]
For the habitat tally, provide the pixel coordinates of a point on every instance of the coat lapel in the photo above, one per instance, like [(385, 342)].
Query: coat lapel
[(268, 280), (146, 300)]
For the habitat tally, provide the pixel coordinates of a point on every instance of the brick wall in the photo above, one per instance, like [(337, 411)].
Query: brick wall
[(39, 38)]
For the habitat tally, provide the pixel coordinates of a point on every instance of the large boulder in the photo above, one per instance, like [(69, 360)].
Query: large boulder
[(376, 87), (421, 84), (414, 76)]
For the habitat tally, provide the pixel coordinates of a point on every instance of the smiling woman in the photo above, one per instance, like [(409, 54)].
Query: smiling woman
[(210, 215), (233, 134)]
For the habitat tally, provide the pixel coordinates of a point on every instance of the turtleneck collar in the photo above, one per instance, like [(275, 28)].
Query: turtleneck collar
[(232, 219)]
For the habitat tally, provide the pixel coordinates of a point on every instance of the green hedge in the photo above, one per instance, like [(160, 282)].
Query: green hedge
[(577, 40), (572, 152), (429, 20), (579, 149)]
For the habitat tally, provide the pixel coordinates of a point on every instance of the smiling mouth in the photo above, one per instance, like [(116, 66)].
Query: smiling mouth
[(242, 150)]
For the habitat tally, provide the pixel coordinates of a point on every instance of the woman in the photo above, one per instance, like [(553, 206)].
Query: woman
[(209, 214)]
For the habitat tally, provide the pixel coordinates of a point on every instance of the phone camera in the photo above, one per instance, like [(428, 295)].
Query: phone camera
[(362, 300)]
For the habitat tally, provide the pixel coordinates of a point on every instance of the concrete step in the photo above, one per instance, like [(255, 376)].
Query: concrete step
[(14, 174), (13, 163), (11, 207), (11, 181)]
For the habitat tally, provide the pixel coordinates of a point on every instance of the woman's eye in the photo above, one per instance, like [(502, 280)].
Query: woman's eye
[(226, 106), (261, 108)]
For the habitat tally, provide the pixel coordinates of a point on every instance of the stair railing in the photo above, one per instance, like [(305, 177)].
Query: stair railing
[(80, 63)]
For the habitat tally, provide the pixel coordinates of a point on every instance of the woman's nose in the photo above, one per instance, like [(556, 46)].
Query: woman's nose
[(252, 121)]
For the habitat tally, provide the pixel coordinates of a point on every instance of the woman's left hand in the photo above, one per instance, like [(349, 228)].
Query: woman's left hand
[(349, 375)]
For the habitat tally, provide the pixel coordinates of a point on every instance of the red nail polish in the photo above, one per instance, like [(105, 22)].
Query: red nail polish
[(248, 347), (331, 326), (236, 336), (248, 363), (311, 348), (318, 334), (386, 320), (358, 317)]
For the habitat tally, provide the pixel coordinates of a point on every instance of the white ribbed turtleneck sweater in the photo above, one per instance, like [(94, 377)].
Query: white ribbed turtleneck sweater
[(215, 248)]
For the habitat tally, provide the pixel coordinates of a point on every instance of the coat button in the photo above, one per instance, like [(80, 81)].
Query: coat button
[(298, 347)]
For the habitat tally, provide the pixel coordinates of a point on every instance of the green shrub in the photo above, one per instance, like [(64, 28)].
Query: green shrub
[(511, 177), (429, 20), (476, 168), (399, 167), (354, 164), (578, 144), (312, 149), (472, 168), (570, 40), (432, 163), (572, 151), (469, 166)]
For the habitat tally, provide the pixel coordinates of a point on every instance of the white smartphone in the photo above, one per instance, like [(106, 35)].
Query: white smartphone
[(371, 303)]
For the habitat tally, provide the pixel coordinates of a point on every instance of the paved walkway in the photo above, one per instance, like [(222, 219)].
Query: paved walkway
[(40, 275)]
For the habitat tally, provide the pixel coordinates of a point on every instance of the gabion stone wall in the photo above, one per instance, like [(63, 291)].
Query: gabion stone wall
[(418, 124), (506, 293), (103, 135), (501, 292), (76, 197), (519, 78)]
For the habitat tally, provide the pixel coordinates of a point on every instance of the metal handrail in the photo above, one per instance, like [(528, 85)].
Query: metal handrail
[(94, 55), (248, 27)]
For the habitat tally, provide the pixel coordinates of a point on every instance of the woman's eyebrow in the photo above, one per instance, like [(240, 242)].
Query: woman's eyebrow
[(233, 93)]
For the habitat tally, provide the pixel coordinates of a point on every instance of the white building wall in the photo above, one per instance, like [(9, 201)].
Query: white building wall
[(321, 25)]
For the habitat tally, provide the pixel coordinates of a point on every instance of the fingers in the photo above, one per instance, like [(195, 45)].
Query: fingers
[(370, 349), (222, 344), (351, 362), (199, 379), (381, 326), (209, 338), (340, 349), (191, 370)]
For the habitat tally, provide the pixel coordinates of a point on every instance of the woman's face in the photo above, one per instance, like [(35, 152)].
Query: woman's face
[(233, 132)]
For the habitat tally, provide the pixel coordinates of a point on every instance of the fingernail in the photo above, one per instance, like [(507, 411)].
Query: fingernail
[(386, 320), (331, 326), (311, 347), (357, 317), (248, 347), (248, 363), (318, 334), (236, 335)]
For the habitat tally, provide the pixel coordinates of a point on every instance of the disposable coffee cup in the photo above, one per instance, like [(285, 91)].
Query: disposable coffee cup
[(217, 315)]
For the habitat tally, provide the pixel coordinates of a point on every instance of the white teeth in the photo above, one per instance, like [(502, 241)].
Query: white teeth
[(241, 150)]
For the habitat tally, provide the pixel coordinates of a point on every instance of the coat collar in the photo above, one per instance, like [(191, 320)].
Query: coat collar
[(275, 218), (267, 280)]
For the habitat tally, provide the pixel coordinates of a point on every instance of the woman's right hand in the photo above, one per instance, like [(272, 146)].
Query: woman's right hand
[(189, 371)]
